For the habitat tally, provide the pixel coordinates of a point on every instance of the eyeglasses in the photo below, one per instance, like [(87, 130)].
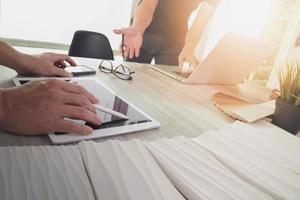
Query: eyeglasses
[(121, 71)]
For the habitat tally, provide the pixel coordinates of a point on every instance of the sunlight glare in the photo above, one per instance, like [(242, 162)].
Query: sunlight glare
[(247, 17)]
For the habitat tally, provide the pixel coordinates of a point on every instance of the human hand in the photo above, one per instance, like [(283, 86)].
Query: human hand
[(41, 107), (187, 55), (47, 64), (132, 43), (275, 94)]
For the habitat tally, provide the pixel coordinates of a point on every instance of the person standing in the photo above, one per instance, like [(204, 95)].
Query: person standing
[(159, 30)]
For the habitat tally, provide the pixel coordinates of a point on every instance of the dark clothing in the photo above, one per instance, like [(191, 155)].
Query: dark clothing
[(165, 36), (159, 48), (171, 18)]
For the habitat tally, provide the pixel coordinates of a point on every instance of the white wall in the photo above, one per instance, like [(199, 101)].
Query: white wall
[(57, 20)]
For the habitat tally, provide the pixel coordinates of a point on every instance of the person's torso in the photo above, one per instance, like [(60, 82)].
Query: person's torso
[(171, 18)]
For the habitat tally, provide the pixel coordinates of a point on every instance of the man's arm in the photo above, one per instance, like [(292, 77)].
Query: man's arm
[(194, 34), (10, 57), (144, 14), (133, 36), (45, 64)]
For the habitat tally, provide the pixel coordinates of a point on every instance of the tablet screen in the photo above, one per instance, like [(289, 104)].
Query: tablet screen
[(108, 120)]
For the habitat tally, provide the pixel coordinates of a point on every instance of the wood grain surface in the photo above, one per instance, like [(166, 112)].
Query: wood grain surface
[(181, 109)]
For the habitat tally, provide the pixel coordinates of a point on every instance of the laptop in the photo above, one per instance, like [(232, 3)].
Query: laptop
[(229, 63)]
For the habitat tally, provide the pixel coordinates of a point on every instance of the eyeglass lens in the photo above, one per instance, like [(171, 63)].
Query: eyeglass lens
[(106, 66), (122, 72)]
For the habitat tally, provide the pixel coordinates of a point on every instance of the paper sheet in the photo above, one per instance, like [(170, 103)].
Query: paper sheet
[(29, 173), (125, 171), (277, 149), (239, 161), (249, 160), (197, 174)]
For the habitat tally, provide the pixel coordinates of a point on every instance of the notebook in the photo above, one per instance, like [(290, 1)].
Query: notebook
[(238, 161), (247, 102)]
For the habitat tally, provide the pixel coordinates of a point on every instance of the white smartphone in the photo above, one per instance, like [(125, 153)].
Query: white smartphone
[(80, 70)]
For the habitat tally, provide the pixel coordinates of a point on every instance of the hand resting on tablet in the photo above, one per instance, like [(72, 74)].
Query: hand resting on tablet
[(41, 107)]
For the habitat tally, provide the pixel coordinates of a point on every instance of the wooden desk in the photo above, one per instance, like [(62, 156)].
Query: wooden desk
[(181, 109)]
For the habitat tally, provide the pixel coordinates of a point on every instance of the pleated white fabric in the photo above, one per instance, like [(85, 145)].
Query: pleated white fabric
[(47, 173), (197, 174), (125, 171), (261, 154), (237, 162)]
